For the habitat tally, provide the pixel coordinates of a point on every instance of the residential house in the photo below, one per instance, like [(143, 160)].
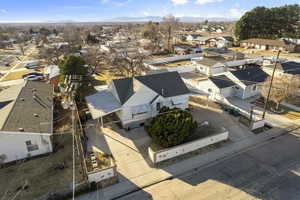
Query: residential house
[(265, 44), (224, 42), (193, 37), (289, 68), (224, 52), (209, 65), (26, 122), (203, 40), (52, 73), (212, 42), (217, 87), (180, 51), (248, 81), (135, 100)]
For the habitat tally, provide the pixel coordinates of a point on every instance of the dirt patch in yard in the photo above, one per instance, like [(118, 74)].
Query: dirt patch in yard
[(44, 174)]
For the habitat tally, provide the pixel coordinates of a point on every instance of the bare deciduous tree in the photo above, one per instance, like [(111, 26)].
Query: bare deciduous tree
[(168, 28), (283, 87), (129, 64), (97, 60), (52, 55)]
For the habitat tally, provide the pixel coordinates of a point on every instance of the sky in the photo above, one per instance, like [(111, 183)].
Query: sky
[(101, 10)]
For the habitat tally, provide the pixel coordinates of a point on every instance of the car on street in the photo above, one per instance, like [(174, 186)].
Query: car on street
[(32, 73), (34, 78)]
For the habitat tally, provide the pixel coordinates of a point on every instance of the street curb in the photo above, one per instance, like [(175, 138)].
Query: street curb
[(225, 157)]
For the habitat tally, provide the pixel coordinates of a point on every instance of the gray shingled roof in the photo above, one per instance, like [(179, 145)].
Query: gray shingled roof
[(26, 106), (165, 84), (290, 67), (124, 88), (250, 76), (222, 81)]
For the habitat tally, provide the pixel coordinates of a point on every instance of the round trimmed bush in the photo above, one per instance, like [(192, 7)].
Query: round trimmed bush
[(171, 127)]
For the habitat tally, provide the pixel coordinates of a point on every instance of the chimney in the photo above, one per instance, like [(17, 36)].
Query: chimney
[(162, 91)]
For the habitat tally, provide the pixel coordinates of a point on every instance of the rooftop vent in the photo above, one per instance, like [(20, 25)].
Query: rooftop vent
[(22, 99), (33, 90), (21, 129), (36, 115)]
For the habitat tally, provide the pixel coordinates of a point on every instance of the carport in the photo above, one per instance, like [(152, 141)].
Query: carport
[(102, 103)]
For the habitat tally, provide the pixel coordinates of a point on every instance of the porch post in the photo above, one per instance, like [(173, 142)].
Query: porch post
[(101, 118)]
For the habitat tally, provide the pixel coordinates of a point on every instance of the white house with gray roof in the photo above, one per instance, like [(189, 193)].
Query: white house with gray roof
[(26, 122), (134, 100)]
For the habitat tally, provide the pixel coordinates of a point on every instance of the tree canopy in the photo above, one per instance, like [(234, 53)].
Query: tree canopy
[(269, 23), (73, 65), (171, 127)]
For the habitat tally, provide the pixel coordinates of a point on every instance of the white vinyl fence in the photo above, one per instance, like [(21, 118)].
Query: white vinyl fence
[(100, 175), (173, 152)]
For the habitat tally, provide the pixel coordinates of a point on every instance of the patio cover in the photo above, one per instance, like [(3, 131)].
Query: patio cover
[(102, 103)]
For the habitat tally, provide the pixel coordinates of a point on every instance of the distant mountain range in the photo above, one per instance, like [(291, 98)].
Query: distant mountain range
[(119, 20), (158, 19)]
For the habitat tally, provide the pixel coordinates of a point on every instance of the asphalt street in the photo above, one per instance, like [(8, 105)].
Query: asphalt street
[(269, 172)]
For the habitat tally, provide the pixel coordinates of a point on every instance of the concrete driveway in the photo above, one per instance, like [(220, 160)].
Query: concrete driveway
[(127, 147), (219, 118)]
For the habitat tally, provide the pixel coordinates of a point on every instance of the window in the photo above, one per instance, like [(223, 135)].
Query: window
[(30, 146), (158, 106), (209, 90)]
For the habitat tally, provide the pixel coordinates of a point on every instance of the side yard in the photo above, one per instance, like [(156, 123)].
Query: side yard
[(39, 176)]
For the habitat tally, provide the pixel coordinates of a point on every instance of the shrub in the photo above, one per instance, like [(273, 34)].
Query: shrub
[(171, 127)]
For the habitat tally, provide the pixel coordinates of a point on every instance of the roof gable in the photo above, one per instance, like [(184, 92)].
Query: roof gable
[(222, 81), (250, 76), (124, 88), (165, 84)]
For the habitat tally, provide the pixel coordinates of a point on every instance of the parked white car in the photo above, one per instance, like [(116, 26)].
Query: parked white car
[(34, 78)]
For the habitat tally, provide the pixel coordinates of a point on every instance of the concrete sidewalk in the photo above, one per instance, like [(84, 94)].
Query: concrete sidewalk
[(179, 168), (272, 118)]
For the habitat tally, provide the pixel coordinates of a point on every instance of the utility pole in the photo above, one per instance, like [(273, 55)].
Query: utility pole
[(271, 83), (73, 141)]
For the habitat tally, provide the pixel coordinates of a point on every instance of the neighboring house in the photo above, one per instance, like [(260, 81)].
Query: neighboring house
[(210, 65), (134, 100), (217, 87), (224, 42), (52, 73), (181, 51), (193, 37), (212, 42), (26, 122), (203, 40), (248, 81), (152, 63), (285, 68), (264, 44), (224, 52)]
